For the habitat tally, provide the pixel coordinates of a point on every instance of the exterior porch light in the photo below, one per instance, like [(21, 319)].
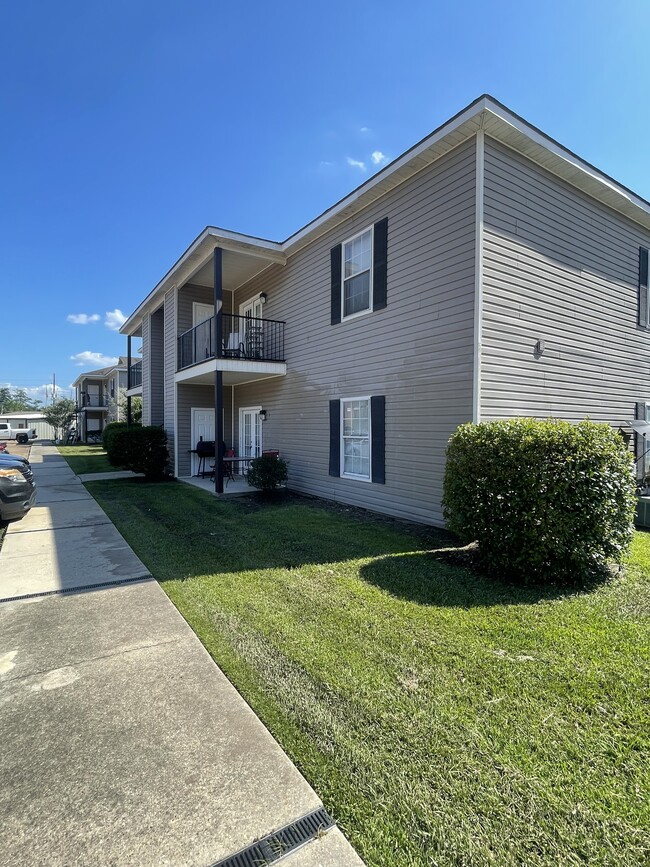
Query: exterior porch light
[(262, 415), (263, 297)]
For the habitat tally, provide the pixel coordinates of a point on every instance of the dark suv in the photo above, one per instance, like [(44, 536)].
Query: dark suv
[(17, 487)]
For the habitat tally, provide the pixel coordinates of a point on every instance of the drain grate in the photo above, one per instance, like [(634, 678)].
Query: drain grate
[(64, 590), (270, 849)]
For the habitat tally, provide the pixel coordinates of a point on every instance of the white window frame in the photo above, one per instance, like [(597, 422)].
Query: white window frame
[(349, 240), (342, 472)]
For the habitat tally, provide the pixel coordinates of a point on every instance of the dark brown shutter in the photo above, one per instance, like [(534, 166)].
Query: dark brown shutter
[(335, 437), (643, 287), (380, 264), (378, 437), (335, 267)]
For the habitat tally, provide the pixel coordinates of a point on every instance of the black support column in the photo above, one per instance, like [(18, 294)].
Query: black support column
[(129, 416), (218, 376)]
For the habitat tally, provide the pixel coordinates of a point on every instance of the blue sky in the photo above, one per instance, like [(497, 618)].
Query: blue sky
[(126, 127)]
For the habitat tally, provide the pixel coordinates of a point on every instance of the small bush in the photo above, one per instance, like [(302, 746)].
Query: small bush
[(546, 500), (267, 472), (111, 428), (140, 449)]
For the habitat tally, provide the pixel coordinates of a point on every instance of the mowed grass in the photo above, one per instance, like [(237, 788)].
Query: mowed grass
[(87, 459), (444, 719)]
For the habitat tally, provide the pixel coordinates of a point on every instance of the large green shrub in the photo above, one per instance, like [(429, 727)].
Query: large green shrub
[(110, 429), (546, 500), (267, 472), (140, 449)]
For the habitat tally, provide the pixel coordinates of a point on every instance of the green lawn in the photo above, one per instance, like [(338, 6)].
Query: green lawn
[(87, 459), (444, 719)]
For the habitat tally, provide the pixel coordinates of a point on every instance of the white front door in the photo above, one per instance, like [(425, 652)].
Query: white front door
[(251, 334), (201, 312), (254, 308), (250, 432), (202, 427), (202, 343)]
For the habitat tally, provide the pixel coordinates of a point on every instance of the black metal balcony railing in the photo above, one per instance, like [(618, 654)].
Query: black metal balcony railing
[(93, 400), (135, 375), (241, 337)]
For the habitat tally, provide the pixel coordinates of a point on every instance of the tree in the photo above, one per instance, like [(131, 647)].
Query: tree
[(60, 415), (17, 400), (123, 409)]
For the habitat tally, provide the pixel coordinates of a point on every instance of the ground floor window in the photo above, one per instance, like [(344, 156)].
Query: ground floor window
[(355, 437)]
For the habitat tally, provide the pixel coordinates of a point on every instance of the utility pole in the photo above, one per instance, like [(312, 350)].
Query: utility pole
[(53, 387)]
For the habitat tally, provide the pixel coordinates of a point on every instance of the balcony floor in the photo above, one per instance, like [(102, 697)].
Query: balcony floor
[(235, 371)]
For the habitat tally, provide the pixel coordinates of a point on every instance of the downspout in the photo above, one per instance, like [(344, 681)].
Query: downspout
[(478, 275)]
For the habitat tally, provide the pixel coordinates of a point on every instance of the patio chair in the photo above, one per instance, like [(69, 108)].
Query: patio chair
[(228, 466)]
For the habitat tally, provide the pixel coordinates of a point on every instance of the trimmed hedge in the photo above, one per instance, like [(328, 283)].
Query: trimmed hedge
[(546, 500), (267, 472), (140, 449), (109, 430)]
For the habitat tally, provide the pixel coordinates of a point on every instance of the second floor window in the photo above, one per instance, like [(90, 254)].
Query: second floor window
[(357, 274)]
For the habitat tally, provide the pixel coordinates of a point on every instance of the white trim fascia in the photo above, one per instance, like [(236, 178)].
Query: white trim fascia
[(478, 276), (443, 131), (238, 242), (562, 153), (228, 240)]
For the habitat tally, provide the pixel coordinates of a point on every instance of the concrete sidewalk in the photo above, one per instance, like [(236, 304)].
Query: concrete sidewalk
[(122, 742)]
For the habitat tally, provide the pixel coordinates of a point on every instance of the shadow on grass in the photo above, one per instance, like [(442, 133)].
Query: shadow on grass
[(181, 533), (441, 579)]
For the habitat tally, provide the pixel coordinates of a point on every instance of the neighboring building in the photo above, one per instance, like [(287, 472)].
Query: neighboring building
[(98, 398), (31, 420), (486, 273)]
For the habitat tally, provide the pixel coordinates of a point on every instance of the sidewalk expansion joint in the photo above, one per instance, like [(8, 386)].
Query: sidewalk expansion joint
[(62, 591), (92, 660), (274, 847)]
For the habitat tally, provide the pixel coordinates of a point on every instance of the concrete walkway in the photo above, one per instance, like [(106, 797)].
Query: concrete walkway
[(122, 742)]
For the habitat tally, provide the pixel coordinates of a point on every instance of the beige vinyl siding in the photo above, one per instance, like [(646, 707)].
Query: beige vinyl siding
[(170, 370), (562, 268), (418, 351), (146, 370), (156, 368)]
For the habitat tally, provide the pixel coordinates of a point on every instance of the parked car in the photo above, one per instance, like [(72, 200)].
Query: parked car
[(17, 487), (7, 456), (21, 434)]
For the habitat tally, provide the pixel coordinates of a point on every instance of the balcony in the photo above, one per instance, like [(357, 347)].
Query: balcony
[(242, 337), (135, 375), (94, 401)]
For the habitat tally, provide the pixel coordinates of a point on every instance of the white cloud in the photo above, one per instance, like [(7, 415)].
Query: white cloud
[(378, 158), (364, 129), (83, 318), (115, 319), (356, 164), (42, 392), (92, 359)]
